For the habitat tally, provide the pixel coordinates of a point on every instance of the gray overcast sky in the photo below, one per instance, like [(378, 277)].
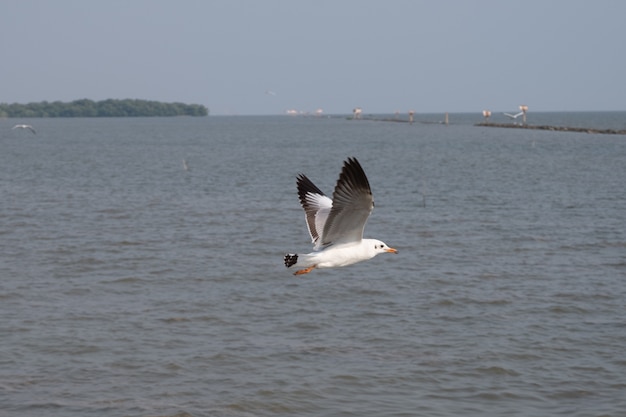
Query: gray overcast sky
[(383, 56)]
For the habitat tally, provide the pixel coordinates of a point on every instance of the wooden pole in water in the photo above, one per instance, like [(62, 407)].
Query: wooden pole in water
[(446, 119), (524, 109)]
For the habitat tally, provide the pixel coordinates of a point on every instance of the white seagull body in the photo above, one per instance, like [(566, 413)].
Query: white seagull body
[(513, 116), (29, 127), (336, 226)]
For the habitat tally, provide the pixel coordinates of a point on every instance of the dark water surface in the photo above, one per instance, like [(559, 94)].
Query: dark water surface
[(132, 287)]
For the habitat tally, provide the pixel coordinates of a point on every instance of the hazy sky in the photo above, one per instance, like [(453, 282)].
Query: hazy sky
[(383, 56)]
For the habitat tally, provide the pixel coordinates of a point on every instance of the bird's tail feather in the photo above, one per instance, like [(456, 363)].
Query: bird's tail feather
[(291, 259)]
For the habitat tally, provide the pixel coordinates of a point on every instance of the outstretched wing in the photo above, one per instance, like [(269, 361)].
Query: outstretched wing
[(351, 206), (513, 116), (316, 208)]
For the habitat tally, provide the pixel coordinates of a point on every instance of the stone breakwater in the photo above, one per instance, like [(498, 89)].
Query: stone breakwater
[(555, 128)]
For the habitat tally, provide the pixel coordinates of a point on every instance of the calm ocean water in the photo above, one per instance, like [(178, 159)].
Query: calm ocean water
[(132, 287)]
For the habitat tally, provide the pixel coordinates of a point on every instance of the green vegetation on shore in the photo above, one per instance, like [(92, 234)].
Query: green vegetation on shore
[(104, 108)]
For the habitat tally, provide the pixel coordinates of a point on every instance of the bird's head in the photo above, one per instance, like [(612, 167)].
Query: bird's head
[(381, 247)]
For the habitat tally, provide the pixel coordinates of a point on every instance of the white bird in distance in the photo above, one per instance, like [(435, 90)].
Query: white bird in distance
[(513, 116), (29, 127)]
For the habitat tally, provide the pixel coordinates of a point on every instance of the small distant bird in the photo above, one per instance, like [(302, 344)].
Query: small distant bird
[(29, 127), (270, 93), (185, 166), (513, 116), (336, 226)]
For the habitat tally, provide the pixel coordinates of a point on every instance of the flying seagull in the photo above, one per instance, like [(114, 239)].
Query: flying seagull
[(513, 116), (336, 226), (29, 127)]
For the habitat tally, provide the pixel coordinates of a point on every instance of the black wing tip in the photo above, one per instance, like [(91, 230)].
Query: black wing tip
[(306, 186), (353, 172), (351, 160), (302, 181), (353, 164)]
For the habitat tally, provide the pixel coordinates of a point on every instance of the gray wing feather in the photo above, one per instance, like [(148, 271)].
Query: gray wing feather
[(352, 204)]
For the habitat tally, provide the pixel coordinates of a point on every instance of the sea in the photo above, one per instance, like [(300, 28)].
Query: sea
[(141, 269)]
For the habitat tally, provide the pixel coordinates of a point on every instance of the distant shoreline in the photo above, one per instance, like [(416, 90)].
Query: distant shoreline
[(103, 108)]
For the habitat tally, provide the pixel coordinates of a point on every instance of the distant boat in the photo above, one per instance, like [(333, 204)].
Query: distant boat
[(29, 127)]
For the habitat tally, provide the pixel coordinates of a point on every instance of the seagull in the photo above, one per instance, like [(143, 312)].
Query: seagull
[(29, 127), (336, 226), (513, 116)]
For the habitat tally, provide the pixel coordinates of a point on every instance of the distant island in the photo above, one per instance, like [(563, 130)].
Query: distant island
[(104, 108)]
